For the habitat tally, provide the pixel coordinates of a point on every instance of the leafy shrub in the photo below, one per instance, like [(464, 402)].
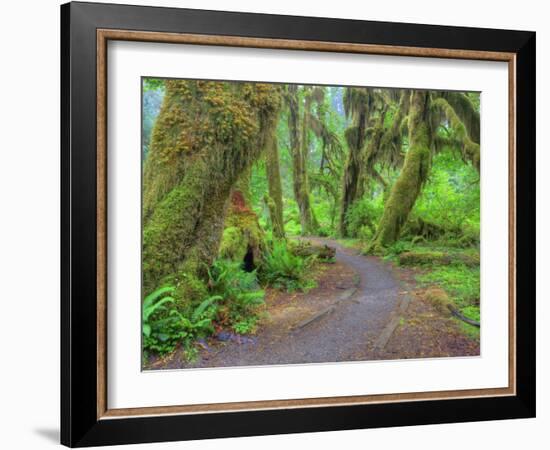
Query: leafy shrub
[(164, 328), (239, 289), (245, 326), (451, 182), (397, 248), (362, 217), (293, 227), (284, 270), (324, 231)]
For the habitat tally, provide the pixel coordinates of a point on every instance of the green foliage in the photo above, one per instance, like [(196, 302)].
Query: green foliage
[(451, 182), (154, 302), (363, 216), (284, 270), (456, 271), (239, 289), (418, 193), (461, 282), (153, 84), (397, 248), (233, 300), (246, 326), (163, 328), (472, 312), (412, 258)]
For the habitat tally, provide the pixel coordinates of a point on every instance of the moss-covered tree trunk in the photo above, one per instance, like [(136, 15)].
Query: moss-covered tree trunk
[(206, 135), (415, 171), (352, 186), (299, 142), (274, 198), (243, 238)]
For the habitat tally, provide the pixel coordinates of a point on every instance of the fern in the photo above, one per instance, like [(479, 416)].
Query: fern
[(152, 304), (204, 305), (283, 269)]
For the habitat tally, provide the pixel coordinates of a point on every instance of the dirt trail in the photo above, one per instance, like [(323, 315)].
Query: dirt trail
[(343, 327)]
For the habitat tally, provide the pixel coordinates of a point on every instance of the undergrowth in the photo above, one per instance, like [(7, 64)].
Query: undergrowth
[(233, 301), (284, 270), (460, 281)]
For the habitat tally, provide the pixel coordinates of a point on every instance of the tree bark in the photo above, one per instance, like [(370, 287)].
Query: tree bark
[(207, 134), (299, 148), (352, 188), (243, 238), (275, 191)]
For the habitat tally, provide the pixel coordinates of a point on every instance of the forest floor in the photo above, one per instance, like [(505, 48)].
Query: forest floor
[(363, 308)]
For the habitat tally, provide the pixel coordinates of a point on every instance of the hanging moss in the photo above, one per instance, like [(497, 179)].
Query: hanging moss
[(464, 109), (356, 104), (392, 138), (206, 135), (299, 127), (470, 149), (413, 175)]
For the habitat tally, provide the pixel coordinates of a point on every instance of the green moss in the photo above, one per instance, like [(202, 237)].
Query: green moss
[(461, 282), (456, 113), (243, 236), (469, 330), (233, 246), (414, 258), (357, 102), (274, 199), (422, 257), (413, 175), (299, 124), (439, 298)]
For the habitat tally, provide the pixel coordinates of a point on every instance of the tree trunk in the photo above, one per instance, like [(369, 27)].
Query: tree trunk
[(299, 150), (275, 191), (243, 238), (352, 188), (207, 134), (413, 175)]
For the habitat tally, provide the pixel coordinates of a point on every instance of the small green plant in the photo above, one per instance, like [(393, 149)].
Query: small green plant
[(397, 248), (284, 270), (154, 303), (239, 289), (200, 322), (245, 326)]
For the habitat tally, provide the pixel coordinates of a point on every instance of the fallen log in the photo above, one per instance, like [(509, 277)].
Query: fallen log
[(307, 249), (414, 258)]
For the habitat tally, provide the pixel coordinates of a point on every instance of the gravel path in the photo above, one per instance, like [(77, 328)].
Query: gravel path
[(345, 331)]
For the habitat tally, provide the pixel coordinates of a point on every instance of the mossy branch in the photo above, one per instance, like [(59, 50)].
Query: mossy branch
[(470, 149)]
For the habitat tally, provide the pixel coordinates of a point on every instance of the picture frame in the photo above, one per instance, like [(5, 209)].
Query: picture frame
[(86, 418)]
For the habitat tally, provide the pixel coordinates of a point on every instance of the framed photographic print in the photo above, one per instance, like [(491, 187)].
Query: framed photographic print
[(276, 224)]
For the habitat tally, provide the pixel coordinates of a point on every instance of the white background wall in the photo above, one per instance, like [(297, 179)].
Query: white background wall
[(29, 223)]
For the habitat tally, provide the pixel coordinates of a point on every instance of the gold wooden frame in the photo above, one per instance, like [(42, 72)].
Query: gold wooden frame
[(103, 36)]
